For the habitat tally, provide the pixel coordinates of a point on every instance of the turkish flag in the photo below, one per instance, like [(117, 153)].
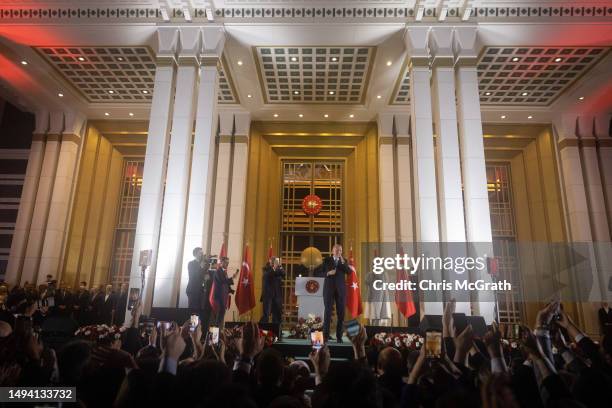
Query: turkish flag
[(353, 293), (245, 293), (211, 296), (270, 251), (403, 298)]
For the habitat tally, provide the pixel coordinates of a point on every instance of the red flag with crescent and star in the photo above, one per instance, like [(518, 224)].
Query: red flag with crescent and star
[(403, 298), (245, 293), (353, 293)]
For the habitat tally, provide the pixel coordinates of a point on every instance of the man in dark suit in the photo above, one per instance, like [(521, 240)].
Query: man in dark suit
[(64, 301), (272, 291), (108, 305), (334, 269), (222, 287), (196, 280), (121, 304), (97, 303), (82, 305)]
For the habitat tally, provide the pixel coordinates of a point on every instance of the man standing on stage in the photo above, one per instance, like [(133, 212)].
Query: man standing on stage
[(196, 280), (222, 287), (334, 269), (272, 291)]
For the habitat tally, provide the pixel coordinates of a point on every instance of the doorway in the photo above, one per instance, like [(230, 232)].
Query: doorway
[(299, 230)]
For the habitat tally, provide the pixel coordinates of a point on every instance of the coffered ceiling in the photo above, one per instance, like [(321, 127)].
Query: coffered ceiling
[(116, 74), (527, 76), (314, 74)]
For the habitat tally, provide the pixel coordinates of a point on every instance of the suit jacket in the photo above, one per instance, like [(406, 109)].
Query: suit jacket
[(83, 299), (222, 288), (97, 302), (335, 282), (272, 283), (196, 278), (108, 305)]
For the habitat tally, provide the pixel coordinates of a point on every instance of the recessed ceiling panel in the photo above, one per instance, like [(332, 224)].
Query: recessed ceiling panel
[(532, 76), (314, 74), (116, 74)]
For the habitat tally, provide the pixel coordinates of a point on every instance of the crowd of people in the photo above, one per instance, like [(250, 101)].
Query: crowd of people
[(102, 304), (554, 364)]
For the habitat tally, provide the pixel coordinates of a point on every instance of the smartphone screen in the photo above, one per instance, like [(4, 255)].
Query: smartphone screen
[(316, 338), (352, 328), (194, 320), (213, 335), (433, 344)]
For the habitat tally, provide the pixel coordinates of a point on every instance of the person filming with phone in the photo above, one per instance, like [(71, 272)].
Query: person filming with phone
[(334, 269)]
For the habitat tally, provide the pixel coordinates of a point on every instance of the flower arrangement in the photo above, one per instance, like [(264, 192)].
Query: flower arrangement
[(100, 333), (302, 329), (401, 341)]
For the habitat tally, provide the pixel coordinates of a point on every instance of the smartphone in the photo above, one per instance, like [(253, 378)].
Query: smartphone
[(316, 338), (194, 321), (352, 328), (460, 322), (213, 335), (433, 344)]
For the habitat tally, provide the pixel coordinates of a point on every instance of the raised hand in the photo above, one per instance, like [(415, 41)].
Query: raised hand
[(447, 319), (544, 316), (320, 360), (463, 344), (173, 343), (251, 343), (492, 340)]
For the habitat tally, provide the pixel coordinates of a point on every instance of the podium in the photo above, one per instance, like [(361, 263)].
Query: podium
[(309, 292)]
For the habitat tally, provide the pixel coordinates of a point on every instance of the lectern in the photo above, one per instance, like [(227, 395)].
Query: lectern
[(309, 292)]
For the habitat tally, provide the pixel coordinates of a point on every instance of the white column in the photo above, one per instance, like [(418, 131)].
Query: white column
[(220, 208), (595, 200), (172, 230), (150, 205), (201, 183), (426, 205), (579, 223), (200, 186), (40, 214), (476, 199), (404, 178), (386, 179), (28, 199), (602, 128), (240, 161), (63, 186), (452, 224)]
